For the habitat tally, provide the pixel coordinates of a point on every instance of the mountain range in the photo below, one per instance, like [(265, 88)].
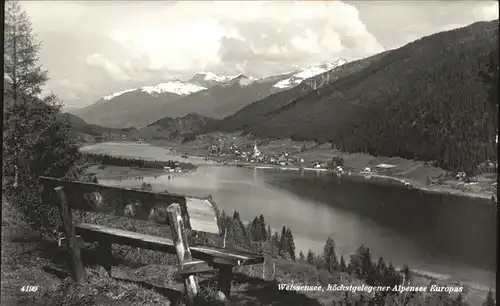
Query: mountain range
[(208, 79), (206, 94), (426, 100), (135, 107)]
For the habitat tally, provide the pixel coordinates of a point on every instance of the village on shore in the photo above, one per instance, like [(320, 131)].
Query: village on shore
[(227, 150)]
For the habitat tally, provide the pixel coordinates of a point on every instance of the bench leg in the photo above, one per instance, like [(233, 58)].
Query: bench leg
[(69, 230), (225, 277), (176, 300), (105, 256)]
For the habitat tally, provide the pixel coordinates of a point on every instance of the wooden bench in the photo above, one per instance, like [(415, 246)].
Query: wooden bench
[(181, 213)]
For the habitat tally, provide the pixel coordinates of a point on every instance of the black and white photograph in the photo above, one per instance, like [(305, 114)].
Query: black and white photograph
[(247, 153)]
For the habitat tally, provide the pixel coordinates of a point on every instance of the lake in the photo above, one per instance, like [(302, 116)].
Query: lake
[(448, 235)]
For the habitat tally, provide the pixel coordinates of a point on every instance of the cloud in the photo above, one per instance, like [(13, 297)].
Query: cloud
[(188, 46), (487, 11), (280, 35), (110, 46), (99, 61)]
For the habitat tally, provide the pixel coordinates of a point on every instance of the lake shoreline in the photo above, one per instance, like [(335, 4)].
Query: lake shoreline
[(372, 177)]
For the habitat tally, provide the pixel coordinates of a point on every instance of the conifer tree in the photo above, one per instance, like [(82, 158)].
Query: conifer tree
[(291, 243), (283, 245), (310, 257), (330, 256), (263, 231), (407, 273), (380, 271), (238, 229), (342, 265), (490, 299), (301, 256), (36, 139), (275, 244)]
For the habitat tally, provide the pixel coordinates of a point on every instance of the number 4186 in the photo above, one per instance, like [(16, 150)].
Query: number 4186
[(29, 289)]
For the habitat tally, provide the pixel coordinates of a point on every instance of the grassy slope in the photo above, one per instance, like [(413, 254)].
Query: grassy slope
[(135, 108), (140, 277)]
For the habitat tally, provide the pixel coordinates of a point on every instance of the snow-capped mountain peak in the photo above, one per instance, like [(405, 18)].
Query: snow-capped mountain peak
[(299, 77), (209, 79), (175, 87), (211, 76), (118, 93), (240, 80)]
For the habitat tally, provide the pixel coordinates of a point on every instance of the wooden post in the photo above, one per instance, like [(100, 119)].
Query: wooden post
[(225, 276), (264, 269), (105, 255), (69, 230), (274, 270), (179, 236)]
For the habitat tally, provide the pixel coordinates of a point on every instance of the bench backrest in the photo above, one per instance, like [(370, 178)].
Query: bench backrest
[(199, 214)]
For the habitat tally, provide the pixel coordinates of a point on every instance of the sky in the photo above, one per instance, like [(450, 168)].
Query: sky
[(94, 48)]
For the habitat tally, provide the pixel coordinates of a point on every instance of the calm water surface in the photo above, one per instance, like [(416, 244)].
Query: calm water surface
[(454, 236)]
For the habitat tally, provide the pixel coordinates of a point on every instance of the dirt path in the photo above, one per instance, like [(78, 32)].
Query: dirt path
[(412, 168)]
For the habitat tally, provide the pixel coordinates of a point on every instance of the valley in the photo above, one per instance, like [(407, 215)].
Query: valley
[(330, 144), (221, 148)]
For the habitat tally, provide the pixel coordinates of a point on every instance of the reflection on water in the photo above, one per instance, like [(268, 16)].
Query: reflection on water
[(448, 235)]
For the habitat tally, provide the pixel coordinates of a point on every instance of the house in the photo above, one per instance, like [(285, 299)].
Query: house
[(487, 166), (317, 165), (256, 151), (385, 166), (461, 176)]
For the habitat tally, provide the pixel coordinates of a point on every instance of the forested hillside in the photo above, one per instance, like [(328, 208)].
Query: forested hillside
[(254, 113), (427, 100), (175, 128), (79, 126)]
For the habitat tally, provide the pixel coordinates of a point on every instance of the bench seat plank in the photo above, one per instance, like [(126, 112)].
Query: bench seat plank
[(194, 267), (95, 232), (213, 255), (226, 256)]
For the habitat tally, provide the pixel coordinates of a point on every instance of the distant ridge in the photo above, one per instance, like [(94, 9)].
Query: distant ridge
[(425, 100)]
